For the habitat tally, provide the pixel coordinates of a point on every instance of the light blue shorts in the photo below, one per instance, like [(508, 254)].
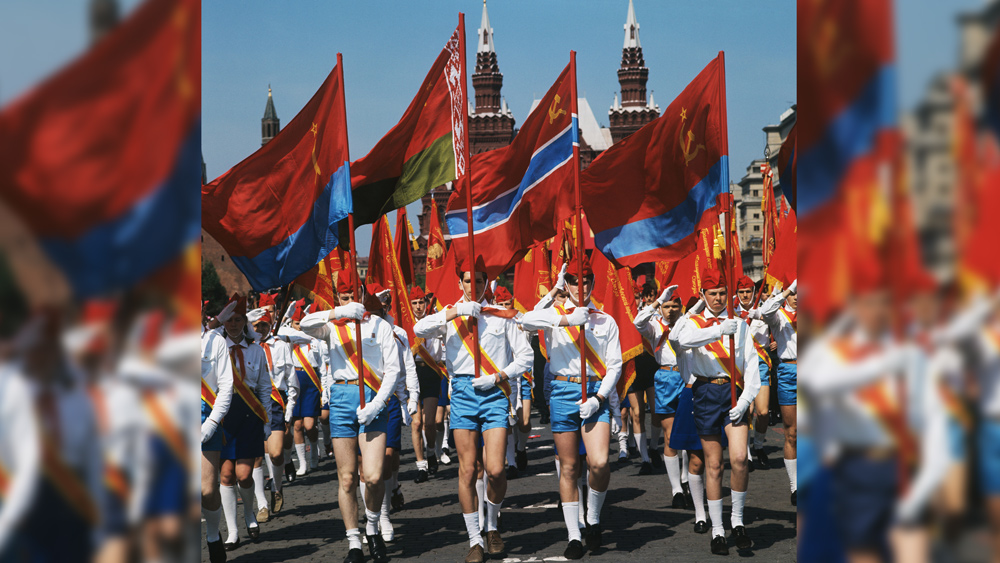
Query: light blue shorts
[(668, 385), (565, 413), (472, 409), (344, 415), (788, 386)]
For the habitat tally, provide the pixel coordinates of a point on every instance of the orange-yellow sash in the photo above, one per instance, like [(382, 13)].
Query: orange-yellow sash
[(876, 397), (307, 367), (207, 394), (372, 379), (240, 386), (419, 349), (461, 325), (719, 350), (275, 395), (165, 427), (67, 482), (594, 359)]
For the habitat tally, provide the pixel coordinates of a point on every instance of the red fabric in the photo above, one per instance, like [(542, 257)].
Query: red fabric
[(266, 318), (501, 294), (531, 278), (241, 303), (686, 272), (416, 293), (744, 282), (265, 300), (712, 279), (782, 268), (324, 280), (299, 312), (344, 284), (612, 293), (442, 281), (401, 242), (384, 273)]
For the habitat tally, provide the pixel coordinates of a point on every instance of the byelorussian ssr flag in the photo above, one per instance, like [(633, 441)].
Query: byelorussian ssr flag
[(276, 212), (102, 160), (423, 151), (648, 195), (521, 192)]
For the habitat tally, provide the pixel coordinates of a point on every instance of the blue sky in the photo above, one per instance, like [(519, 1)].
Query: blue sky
[(388, 47)]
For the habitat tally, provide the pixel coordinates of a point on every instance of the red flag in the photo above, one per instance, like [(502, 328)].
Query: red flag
[(769, 210), (781, 270), (321, 280), (383, 269), (787, 166), (402, 244), (686, 272), (531, 278), (442, 280), (613, 294)]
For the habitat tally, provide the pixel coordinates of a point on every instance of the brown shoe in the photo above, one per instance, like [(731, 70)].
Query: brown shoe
[(263, 514), (475, 555), (277, 501), (494, 545)]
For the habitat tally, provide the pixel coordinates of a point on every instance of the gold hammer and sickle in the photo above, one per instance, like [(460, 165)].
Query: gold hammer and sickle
[(686, 146), (315, 132), (553, 113)]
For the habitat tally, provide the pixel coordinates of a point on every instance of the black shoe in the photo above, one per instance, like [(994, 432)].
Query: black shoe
[(396, 500), (267, 484), (447, 451), (544, 419), (759, 459), (232, 545), (678, 501), (421, 476), (376, 548), (593, 536), (521, 459), (254, 533), (623, 459), (216, 551), (719, 546), (795, 498), (511, 472), (740, 538), (688, 499), (290, 471), (657, 459), (574, 550), (701, 527), (646, 468), (355, 556), (432, 464)]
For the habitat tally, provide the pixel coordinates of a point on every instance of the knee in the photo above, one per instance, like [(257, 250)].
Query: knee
[(738, 461), (714, 468), (761, 411), (791, 435), (348, 482), (297, 425), (208, 492), (598, 466), (246, 482)]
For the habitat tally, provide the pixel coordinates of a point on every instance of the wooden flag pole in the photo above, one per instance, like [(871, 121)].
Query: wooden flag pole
[(727, 228), (284, 305), (581, 340), (353, 245), (477, 354)]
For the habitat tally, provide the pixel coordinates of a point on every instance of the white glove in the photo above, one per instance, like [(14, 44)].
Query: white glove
[(741, 407), (666, 295), (578, 317), (226, 312), (754, 314), (561, 280), (411, 407), (794, 286), (267, 430), (367, 415), (354, 311), (254, 316), (208, 430), (776, 290), (407, 419), (468, 309), (729, 326), (484, 382), (588, 407), (616, 424), (288, 412)]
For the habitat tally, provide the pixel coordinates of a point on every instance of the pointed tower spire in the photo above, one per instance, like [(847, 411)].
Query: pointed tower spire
[(631, 28), (485, 33), (269, 124)]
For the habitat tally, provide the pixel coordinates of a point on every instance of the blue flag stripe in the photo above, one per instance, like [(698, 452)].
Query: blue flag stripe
[(671, 227), (556, 153), (316, 238)]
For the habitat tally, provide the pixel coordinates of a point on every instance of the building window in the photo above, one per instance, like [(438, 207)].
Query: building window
[(755, 216), (223, 259), (756, 228), (756, 193)]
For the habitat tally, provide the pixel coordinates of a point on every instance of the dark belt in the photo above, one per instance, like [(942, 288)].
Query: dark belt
[(575, 379), (671, 368), (715, 380), (790, 361), (345, 381)]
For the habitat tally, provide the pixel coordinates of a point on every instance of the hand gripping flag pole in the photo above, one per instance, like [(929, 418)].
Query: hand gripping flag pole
[(353, 247), (582, 336), (477, 355)]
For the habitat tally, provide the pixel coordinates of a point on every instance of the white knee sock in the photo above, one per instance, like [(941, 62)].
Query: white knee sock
[(738, 498), (276, 472), (212, 518), (792, 476), (472, 528), (258, 487), (447, 427), (571, 515), (353, 539), (640, 441), (510, 450), (684, 466), (300, 452), (481, 493), (558, 470), (385, 525), (422, 465), (582, 490), (249, 515), (371, 527), (622, 441), (362, 487), (595, 501), (715, 512), (758, 440), (673, 465), (492, 512), (229, 511), (697, 484)]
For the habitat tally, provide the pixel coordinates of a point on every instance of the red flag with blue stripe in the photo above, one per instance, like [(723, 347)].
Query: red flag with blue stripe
[(520, 193), (277, 212), (102, 161), (647, 196)]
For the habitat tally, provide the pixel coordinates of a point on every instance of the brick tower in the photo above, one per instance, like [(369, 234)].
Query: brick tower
[(269, 124), (634, 111)]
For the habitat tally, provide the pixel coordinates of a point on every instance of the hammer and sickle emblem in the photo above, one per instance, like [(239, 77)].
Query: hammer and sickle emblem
[(554, 113), (315, 132), (435, 252), (686, 146)]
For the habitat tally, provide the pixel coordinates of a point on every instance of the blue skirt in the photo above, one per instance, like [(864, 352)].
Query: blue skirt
[(684, 434)]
